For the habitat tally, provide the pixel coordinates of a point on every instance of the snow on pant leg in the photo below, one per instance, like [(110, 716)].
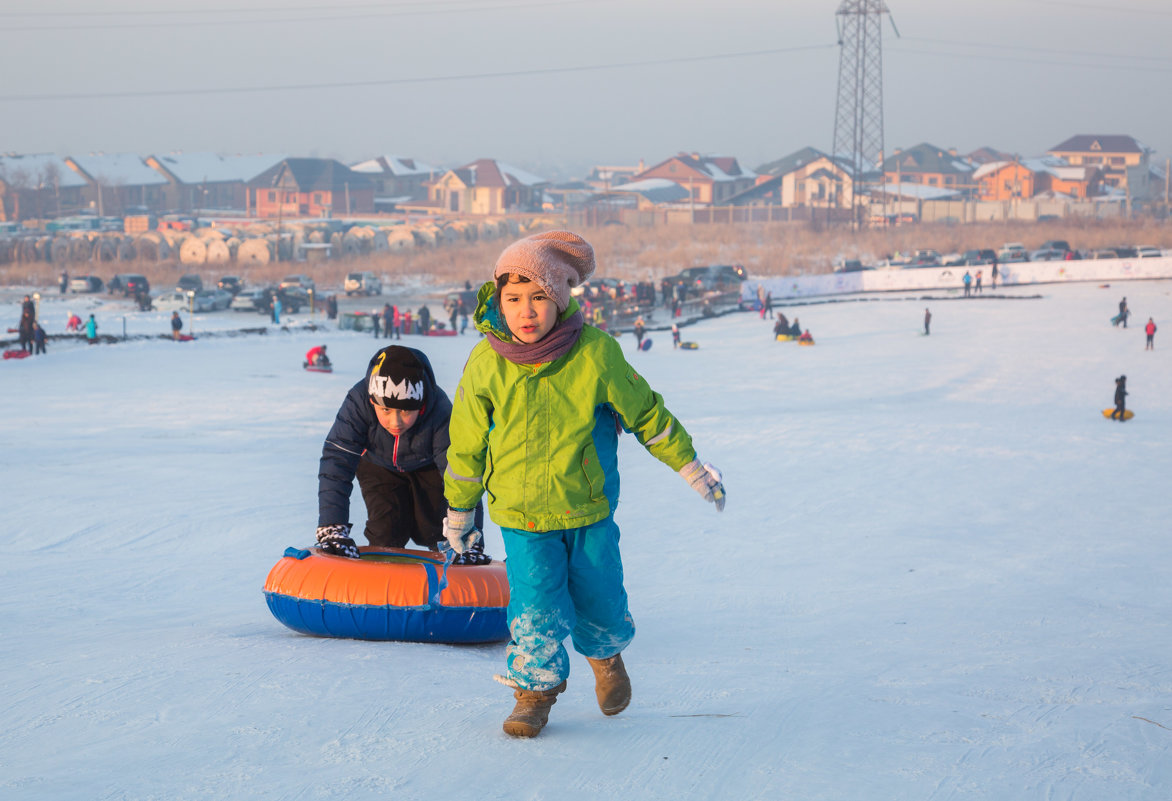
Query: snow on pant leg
[(541, 613), (603, 626)]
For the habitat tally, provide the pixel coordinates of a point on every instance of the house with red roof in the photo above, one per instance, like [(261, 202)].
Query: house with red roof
[(305, 187), (485, 186), (1111, 153), (710, 179)]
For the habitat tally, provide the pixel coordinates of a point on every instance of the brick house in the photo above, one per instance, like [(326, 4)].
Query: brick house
[(116, 182), (928, 165), (1111, 153), (37, 186), (710, 179), (1026, 178), (486, 186), (209, 180), (305, 187), (807, 177), (397, 180)]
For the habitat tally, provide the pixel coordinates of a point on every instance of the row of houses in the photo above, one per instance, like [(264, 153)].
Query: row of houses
[(276, 186)]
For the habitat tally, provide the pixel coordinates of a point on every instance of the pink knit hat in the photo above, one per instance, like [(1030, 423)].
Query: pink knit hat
[(555, 260)]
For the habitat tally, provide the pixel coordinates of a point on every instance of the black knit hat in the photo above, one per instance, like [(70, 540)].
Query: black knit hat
[(396, 379)]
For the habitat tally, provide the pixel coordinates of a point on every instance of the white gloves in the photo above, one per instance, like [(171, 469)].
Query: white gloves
[(458, 529), (706, 480)]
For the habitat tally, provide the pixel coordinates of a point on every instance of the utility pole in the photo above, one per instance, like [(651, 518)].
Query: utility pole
[(858, 112)]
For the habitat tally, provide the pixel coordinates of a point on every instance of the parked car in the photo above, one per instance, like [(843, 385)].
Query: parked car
[(231, 283), (174, 300), (923, 258), (977, 257), (303, 281), (212, 300), (1010, 256), (191, 281), (129, 284), (85, 284), (713, 277), (1048, 254), (852, 266), (248, 300), (1055, 244), (952, 260), (1103, 254), (292, 299), (1148, 252), (1125, 252), (364, 283)]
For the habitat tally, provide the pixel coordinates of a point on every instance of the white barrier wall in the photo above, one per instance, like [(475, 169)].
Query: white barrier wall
[(1014, 274)]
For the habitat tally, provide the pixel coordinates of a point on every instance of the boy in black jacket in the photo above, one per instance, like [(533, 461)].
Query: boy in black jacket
[(392, 434)]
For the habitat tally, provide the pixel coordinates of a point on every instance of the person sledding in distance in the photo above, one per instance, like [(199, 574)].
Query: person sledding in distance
[(1120, 399), (535, 426), (316, 357), (391, 433), (795, 330)]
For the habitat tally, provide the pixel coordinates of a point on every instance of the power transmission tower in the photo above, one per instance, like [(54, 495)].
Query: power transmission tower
[(858, 112)]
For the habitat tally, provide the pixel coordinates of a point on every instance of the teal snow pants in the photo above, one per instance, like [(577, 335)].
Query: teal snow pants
[(564, 584)]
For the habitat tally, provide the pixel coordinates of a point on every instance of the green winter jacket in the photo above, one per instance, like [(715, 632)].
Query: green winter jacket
[(541, 440)]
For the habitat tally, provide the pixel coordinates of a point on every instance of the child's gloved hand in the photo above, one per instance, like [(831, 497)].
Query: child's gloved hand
[(458, 529), (706, 480), (335, 539)]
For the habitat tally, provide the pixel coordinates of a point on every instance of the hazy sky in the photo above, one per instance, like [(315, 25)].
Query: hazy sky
[(559, 85)]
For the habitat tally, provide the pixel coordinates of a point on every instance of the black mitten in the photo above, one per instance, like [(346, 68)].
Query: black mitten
[(475, 555), (335, 539)]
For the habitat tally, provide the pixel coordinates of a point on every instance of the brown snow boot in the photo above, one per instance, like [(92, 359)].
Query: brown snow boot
[(532, 711), (611, 684)]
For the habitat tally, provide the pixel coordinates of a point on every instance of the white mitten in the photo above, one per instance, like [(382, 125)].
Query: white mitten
[(706, 480), (458, 529)]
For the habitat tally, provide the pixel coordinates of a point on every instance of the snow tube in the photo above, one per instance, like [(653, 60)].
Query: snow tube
[(317, 368), (689, 346), (389, 594), (646, 344), (805, 342), (185, 338), (16, 354), (1127, 413), (786, 337)]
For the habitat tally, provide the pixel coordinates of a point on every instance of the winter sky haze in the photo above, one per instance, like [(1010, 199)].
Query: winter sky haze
[(559, 85)]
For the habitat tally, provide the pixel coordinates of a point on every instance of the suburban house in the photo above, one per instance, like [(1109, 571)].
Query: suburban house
[(646, 194), (116, 182), (1026, 178), (1111, 153), (397, 180), (603, 177), (985, 155), (306, 187), (208, 180), (39, 185), (485, 186), (928, 165), (807, 177), (709, 179)]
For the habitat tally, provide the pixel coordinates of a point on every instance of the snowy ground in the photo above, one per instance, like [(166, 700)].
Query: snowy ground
[(941, 574)]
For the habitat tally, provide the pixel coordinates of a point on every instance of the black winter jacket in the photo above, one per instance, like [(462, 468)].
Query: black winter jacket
[(356, 434)]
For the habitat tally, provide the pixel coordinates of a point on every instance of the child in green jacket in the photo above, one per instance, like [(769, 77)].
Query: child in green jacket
[(535, 424)]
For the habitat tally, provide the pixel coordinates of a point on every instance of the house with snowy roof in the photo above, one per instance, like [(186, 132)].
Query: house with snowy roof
[(38, 185), (397, 180), (485, 186), (709, 179), (116, 182), (1027, 178), (928, 165), (806, 177), (647, 193), (210, 180), (308, 187), (1111, 153)]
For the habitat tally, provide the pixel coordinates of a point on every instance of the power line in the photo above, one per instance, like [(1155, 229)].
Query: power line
[(1032, 49), (1023, 60), (408, 81), (156, 12), (1108, 8), (269, 20)]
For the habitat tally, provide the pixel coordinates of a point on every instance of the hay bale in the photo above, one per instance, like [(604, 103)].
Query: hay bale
[(254, 251), (59, 250), (126, 249), (218, 252), (106, 249), (193, 251)]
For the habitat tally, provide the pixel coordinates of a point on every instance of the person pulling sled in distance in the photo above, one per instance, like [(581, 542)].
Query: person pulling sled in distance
[(316, 357), (535, 427), (1120, 399), (391, 433)]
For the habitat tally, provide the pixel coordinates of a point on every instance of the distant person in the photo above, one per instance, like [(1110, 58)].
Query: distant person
[(994, 273), (767, 309), (73, 323), (91, 331), (38, 338), (675, 335), (977, 288), (424, 320), (25, 330), (1123, 314), (176, 326), (1150, 330), (397, 321), (275, 308), (1120, 398), (463, 316), (316, 357), (388, 321), (375, 317), (795, 330), (927, 322), (640, 329), (63, 282), (968, 283)]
